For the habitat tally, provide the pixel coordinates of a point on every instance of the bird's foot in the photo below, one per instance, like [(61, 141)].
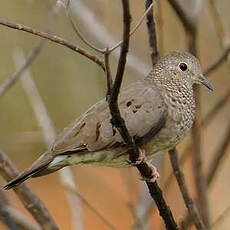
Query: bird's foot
[(154, 175), (141, 158)]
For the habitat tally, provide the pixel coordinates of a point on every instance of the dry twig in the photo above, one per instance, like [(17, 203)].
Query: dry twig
[(48, 132), (5, 216), (31, 202), (193, 212), (119, 123), (55, 39), (151, 32), (218, 61), (11, 80), (102, 36)]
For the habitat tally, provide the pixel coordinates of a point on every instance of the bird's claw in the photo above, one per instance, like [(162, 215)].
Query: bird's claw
[(153, 176), (141, 158)]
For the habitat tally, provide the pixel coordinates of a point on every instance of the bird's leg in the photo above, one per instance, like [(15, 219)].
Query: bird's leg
[(153, 175), (141, 157)]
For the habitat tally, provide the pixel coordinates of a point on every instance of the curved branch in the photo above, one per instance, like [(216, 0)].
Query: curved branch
[(55, 39)]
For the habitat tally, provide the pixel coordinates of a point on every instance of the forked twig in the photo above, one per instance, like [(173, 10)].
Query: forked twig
[(55, 39)]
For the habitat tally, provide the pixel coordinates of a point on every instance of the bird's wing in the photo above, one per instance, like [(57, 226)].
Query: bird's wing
[(142, 108)]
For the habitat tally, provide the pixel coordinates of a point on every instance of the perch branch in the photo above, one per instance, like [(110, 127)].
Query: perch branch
[(31, 202), (119, 123)]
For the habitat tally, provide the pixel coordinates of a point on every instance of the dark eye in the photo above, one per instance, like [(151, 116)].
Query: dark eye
[(183, 66)]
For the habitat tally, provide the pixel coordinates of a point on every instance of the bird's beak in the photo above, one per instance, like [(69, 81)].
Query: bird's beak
[(203, 80)]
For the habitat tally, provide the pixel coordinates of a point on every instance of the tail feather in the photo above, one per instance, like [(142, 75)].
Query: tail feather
[(36, 169), (18, 180)]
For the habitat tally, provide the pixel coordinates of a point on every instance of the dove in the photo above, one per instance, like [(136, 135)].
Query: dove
[(158, 112)]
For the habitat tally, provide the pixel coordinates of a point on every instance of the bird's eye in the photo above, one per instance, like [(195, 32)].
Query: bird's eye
[(183, 66)]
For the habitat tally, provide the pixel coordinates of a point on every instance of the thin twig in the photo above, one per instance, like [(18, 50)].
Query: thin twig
[(34, 53), (21, 220), (216, 19), (104, 37), (218, 61), (184, 190), (49, 134), (5, 216), (151, 32), (148, 9), (221, 217), (31, 202), (11, 80), (14, 219), (218, 156), (119, 123), (55, 39), (108, 75), (216, 108), (89, 205), (217, 159), (78, 32)]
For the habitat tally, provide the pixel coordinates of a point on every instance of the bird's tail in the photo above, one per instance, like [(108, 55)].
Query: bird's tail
[(38, 168)]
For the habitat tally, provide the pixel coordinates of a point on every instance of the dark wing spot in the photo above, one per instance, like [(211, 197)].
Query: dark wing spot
[(81, 127), (97, 130), (134, 110), (128, 103), (138, 106)]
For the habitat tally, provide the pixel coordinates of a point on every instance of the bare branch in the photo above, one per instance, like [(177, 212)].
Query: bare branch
[(108, 74), (99, 32), (199, 177), (77, 31), (89, 205), (11, 80), (49, 134), (21, 220), (193, 212), (218, 61), (5, 216), (119, 123), (188, 15), (55, 39), (31, 202), (218, 156), (217, 107), (148, 9), (221, 218), (151, 32)]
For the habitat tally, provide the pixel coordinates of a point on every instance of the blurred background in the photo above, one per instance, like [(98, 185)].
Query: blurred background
[(69, 83)]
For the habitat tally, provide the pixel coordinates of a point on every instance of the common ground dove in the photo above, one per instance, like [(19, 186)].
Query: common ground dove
[(158, 112)]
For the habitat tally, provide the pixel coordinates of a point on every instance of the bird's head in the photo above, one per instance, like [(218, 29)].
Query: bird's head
[(184, 67)]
